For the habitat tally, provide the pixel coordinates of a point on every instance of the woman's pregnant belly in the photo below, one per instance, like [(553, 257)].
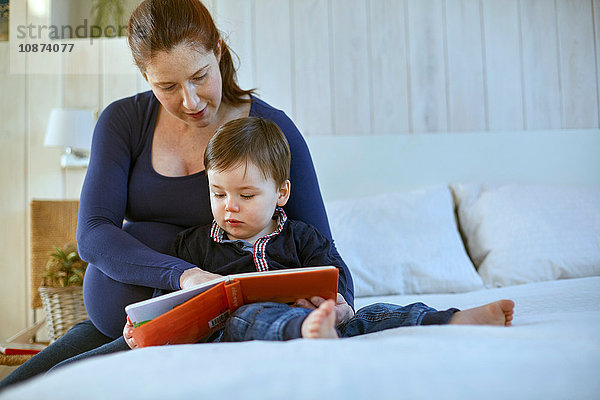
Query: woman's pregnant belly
[(105, 298)]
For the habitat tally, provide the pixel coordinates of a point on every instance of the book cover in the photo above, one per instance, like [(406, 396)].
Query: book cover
[(21, 348), (189, 315)]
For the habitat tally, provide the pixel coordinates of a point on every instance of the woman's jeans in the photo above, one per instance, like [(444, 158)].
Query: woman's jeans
[(275, 321)]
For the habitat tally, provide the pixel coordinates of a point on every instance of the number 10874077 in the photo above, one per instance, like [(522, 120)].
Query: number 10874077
[(46, 47)]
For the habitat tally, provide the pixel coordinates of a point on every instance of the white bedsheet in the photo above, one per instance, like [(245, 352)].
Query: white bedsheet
[(551, 352)]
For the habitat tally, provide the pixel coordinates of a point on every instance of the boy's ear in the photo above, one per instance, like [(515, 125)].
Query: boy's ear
[(284, 193)]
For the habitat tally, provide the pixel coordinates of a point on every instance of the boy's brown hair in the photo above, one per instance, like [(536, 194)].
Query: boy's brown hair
[(250, 139)]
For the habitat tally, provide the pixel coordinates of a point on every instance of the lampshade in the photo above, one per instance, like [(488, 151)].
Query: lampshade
[(70, 127)]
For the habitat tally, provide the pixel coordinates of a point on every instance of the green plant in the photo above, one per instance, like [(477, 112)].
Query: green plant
[(4, 7), (64, 268), (108, 12)]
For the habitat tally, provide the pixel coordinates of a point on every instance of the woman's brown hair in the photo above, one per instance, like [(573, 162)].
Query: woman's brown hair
[(160, 25)]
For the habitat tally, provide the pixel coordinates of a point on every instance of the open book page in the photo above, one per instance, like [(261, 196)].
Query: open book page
[(147, 310)]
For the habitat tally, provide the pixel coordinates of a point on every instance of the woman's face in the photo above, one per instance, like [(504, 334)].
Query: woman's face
[(187, 82)]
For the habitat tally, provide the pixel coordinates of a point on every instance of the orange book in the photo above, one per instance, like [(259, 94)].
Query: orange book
[(190, 315)]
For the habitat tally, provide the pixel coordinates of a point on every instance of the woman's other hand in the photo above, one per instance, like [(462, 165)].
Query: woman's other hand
[(195, 276), (128, 334)]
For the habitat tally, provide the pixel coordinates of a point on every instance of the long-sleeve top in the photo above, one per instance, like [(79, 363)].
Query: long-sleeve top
[(129, 214)]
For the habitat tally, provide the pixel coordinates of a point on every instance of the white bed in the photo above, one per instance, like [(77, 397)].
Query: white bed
[(533, 231)]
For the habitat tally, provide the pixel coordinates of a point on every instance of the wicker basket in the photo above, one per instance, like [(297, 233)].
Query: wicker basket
[(63, 308)]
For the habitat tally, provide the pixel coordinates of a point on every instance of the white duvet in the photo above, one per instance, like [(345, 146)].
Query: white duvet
[(552, 351)]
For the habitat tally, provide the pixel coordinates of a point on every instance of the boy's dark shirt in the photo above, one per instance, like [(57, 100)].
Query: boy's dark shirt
[(298, 245)]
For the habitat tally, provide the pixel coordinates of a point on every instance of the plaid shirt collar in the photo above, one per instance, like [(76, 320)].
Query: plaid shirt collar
[(260, 246), (217, 233)]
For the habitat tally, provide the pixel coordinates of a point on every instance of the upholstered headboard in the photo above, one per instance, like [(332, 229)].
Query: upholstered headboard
[(358, 166)]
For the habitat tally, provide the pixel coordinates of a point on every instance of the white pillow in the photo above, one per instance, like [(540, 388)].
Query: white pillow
[(526, 233), (402, 243)]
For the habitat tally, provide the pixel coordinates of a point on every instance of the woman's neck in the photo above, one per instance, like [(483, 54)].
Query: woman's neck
[(178, 147)]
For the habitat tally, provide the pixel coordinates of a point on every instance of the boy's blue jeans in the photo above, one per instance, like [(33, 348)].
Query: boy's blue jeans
[(275, 321)]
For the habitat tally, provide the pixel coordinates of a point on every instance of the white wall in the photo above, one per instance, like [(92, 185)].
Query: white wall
[(335, 66)]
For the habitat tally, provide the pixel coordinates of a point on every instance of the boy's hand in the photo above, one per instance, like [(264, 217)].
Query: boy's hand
[(343, 311), (128, 334), (195, 276)]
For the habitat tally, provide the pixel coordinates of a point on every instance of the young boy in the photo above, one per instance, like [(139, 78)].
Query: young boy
[(247, 162)]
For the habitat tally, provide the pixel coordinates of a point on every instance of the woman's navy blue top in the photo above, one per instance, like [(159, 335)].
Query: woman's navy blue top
[(129, 215)]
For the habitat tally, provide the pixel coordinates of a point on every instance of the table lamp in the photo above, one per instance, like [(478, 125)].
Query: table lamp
[(72, 130)]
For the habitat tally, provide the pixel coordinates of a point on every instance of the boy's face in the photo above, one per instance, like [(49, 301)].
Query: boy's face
[(243, 201)]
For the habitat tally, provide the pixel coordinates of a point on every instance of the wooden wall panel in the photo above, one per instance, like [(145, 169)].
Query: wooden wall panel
[(45, 175), (119, 73), (577, 64), (235, 20), (596, 20), (540, 65), (13, 214), (44, 92), (466, 94), (73, 182), (427, 66), (141, 84), (12, 100), (17, 17), (350, 60), (211, 5), (312, 66), (503, 64), (389, 67), (273, 53), (14, 305), (81, 70)]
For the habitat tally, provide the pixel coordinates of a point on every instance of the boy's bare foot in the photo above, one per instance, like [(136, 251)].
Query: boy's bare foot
[(497, 313), (320, 323)]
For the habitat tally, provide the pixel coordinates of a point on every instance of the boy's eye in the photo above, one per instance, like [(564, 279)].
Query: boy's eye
[(218, 195), (247, 196)]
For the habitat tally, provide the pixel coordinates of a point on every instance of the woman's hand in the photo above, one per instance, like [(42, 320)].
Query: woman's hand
[(195, 276), (343, 311), (128, 334)]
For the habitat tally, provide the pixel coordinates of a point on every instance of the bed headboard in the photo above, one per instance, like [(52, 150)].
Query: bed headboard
[(358, 166)]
